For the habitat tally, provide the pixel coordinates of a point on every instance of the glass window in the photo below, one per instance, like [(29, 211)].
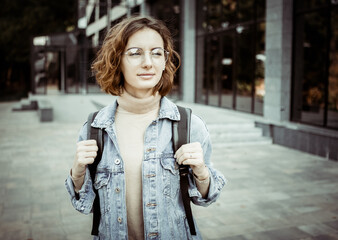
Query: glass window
[(315, 79), (92, 85), (309, 4), (213, 71), (227, 70), (228, 16), (260, 9), (201, 75), (311, 57), (216, 15), (230, 54), (102, 8), (259, 69), (332, 114), (246, 10), (244, 68)]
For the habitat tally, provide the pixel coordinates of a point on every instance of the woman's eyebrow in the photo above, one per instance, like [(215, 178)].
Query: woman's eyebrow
[(133, 47), (142, 48)]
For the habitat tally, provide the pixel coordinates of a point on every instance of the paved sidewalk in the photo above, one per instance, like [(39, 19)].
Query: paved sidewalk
[(273, 192)]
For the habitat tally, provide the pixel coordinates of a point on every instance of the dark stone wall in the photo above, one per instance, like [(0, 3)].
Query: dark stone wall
[(320, 142)]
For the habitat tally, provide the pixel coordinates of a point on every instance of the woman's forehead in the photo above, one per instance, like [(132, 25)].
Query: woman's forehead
[(145, 38)]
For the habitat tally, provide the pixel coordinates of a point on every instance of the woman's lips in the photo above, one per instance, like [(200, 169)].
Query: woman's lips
[(146, 75)]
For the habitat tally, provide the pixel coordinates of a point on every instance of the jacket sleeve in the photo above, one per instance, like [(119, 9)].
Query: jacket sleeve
[(83, 200), (199, 133)]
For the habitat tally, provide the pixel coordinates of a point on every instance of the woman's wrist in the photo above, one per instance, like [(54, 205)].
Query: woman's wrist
[(204, 176), (77, 181), (76, 178)]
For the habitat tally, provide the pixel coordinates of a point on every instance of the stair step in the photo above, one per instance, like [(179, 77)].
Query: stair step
[(241, 138), (26, 104), (260, 141), (231, 126), (225, 134), (233, 134)]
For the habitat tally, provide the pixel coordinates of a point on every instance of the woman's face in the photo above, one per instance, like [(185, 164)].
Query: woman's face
[(143, 62)]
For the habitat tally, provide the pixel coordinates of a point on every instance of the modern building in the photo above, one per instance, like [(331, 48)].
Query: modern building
[(274, 58)]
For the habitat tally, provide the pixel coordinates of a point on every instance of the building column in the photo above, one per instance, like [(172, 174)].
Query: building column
[(188, 48), (145, 8), (278, 65)]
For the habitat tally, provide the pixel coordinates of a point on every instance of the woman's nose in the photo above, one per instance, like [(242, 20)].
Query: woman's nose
[(147, 61)]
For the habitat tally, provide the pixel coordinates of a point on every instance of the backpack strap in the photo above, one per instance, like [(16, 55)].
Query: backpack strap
[(97, 134), (181, 135)]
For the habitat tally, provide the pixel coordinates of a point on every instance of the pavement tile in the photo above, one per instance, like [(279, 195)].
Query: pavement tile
[(279, 234), (326, 237), (316, 230), (52, 233)]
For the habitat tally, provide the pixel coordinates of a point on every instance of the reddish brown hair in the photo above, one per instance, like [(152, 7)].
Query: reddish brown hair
[(107, 65)]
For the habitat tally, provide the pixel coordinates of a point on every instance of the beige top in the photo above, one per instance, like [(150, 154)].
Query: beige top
[(133, 116)]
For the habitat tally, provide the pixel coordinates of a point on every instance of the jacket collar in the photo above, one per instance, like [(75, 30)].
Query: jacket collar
[(106, 116)]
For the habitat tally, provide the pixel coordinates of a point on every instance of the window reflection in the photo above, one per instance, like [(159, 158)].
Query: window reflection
[(218, 14), (314, 70), (213, 70), (309, 4), (246, 10), (227, 71), (315, 79), (259, 69), (333, 73), (230, 54), (244, 68)]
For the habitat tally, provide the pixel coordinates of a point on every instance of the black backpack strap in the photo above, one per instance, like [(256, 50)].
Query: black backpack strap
[(181, 135), (97, 134)]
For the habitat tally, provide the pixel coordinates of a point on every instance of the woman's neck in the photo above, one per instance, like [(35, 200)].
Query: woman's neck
[(138, 105), (141, 94)]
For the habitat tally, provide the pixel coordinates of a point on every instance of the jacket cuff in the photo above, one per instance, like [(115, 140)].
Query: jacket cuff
[(83, 200), (217, 182)]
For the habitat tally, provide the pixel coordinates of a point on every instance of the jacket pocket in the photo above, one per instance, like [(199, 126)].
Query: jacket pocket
[(101, 185), (101, 179), (170, 176)]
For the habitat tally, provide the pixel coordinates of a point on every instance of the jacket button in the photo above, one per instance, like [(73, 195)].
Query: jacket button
[(119, 219), (117, 161), (117, 190)]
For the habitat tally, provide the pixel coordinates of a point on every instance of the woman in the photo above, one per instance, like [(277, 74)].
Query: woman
[(137, 178)]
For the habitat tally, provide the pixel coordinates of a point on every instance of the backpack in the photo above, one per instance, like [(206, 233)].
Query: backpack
[(181, 135)]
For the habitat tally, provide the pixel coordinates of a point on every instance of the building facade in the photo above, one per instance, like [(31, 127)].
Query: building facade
[(273, 58)]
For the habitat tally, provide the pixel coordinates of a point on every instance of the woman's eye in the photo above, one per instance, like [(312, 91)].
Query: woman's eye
[(135, 52), (157, 53)]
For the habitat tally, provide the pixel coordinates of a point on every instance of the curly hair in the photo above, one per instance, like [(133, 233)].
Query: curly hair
[(107, 65)]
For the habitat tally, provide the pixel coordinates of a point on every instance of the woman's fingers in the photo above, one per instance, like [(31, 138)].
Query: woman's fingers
[(190, 157), (189, 151), (86, 151), (192, 154), (188, 148)]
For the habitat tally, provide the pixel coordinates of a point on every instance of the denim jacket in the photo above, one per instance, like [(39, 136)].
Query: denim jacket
[(163, 210)]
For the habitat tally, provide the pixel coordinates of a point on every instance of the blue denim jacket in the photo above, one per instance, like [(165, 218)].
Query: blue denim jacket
[(163, 210)]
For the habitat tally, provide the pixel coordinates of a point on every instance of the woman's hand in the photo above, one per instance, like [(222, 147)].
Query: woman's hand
[(192, 154), (86, 152)]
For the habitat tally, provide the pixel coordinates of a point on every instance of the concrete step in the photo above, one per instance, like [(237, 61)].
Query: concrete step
[(238, 130), (236, 134), (26, 104), (247, 142), (237, 126), (254, 133)]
